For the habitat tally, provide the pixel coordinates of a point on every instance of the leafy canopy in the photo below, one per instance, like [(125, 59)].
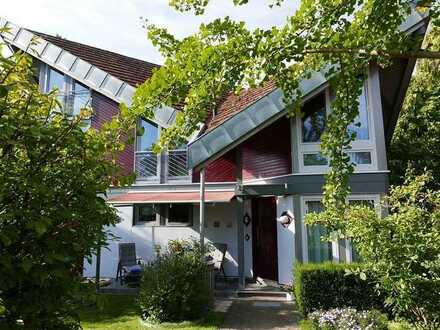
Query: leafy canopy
[(338, 37), (51, 214)]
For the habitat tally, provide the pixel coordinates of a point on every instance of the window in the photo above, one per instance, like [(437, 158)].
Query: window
[(313, 122), (318, 250), (360, 158), (81, 97), (314, 159), (149, 137), (179, 214), (146, 214), (56, 81), (361, 125), (355, 257)]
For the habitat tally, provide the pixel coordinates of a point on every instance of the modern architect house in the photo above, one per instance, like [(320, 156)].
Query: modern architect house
[(255, 162)]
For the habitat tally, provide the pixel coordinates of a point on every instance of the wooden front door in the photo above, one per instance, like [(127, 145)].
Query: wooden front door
[(264, 238)]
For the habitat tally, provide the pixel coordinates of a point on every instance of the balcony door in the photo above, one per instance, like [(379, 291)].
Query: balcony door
[(147, 162)]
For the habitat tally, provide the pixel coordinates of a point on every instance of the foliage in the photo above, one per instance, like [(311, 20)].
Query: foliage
[(402, 249), (120, 312), (416, 139), (175, 287), (324, 286), (51, 213), (339, 38), (348, 319)]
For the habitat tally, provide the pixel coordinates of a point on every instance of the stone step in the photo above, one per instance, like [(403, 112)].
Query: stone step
[(265, 295)]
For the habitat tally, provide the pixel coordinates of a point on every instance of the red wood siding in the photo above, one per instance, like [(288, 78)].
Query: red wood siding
[(104, 110), (268, 153), (221, 170)]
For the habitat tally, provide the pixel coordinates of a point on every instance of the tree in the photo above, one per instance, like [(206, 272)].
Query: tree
[(337, 37), (52, 213), (416, 140), (402, 249)]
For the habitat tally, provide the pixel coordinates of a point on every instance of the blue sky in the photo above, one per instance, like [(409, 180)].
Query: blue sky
[(116, 25)]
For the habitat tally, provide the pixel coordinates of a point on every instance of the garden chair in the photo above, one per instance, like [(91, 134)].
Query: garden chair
[(128, 264)]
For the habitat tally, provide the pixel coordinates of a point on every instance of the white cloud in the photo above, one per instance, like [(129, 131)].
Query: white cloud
[(116, 25)]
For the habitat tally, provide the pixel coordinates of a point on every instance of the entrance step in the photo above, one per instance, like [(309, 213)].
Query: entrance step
[(265, 295)]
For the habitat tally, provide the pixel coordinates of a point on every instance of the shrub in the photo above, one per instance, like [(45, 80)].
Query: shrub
[(348, 319), (325, 286), (175, 287)]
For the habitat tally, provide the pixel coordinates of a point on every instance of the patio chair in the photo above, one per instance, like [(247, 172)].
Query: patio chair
[(218, 256), (129, 264)]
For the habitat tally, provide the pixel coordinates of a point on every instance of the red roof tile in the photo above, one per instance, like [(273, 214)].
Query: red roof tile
[(232, 103), (131, 70)]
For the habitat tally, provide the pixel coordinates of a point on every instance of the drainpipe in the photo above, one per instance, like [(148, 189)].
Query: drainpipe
[(202, 209)]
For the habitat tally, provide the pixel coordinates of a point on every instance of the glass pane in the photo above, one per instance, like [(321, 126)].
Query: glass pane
[(56, 80), (366, 202), (179, 213), (81, 97), (313, 122), (360, 158), (314, 160), (146, 213), (150, 136), (318, 250), (360, 124)]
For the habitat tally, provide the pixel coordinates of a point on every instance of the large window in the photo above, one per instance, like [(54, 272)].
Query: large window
[(80, 97), (146, 214), (361, 123), (313, 122), (318, 250), (179, 214), (149, 137)]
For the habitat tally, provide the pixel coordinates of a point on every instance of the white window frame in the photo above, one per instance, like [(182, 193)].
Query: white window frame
[(335, 245), (357, 145)]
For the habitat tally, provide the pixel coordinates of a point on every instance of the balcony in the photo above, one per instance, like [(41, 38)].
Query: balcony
[(162, 168)]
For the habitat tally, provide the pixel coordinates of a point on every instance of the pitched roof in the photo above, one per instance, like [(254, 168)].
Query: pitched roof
[(232, 103), (131, 70)]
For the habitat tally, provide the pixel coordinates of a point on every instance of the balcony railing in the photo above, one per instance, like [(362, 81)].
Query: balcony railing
[(162, 168), (147, 165)]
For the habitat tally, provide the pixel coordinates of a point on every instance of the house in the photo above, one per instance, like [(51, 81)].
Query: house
[(255, 163)]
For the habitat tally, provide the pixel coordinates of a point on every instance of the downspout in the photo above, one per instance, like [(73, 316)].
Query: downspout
[(202, 209)]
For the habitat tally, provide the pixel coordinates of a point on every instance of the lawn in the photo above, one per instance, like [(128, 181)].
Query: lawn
[(111, 312)]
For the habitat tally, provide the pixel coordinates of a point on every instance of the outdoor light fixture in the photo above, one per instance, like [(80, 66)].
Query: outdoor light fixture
[(286, 218)]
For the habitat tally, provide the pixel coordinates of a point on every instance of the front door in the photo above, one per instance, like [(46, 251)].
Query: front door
[(264, 238)]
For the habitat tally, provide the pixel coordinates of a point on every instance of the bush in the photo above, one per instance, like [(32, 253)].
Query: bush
[(325, 286), (347, 319), (175, 287)]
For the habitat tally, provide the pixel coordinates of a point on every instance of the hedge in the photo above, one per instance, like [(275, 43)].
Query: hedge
[(327, 285)]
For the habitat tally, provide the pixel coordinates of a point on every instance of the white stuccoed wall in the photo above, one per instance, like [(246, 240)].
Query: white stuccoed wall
[(286, 242), (146, 237)]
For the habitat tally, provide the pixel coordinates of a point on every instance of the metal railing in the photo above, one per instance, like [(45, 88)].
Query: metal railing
[(167, 167), (177, 164), (147, 165)]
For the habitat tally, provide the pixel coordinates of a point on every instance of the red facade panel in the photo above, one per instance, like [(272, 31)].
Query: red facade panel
[(268, 153), (222, 169), (104, 110)]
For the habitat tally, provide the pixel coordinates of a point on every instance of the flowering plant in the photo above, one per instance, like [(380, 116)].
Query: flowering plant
[(348, 319)]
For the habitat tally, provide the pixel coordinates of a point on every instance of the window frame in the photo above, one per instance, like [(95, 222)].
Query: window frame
[(190, 222), (304, 148), (347, 254), (137, 223)]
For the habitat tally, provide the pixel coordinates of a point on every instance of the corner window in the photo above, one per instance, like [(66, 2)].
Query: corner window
[(149, 137), (81, 97), (179, 214), (146, 214), (361, 123), (313, 122)]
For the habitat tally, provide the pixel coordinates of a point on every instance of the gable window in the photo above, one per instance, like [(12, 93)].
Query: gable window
[(179, 214), (360, 125), (146, 214), (149, 137), (313, 122)]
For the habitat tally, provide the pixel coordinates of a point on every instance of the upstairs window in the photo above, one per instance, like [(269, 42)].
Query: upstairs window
[(313, 122), (360, 125), (149, 137)]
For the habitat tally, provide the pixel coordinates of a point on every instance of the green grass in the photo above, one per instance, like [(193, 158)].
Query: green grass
[(118, 312)]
